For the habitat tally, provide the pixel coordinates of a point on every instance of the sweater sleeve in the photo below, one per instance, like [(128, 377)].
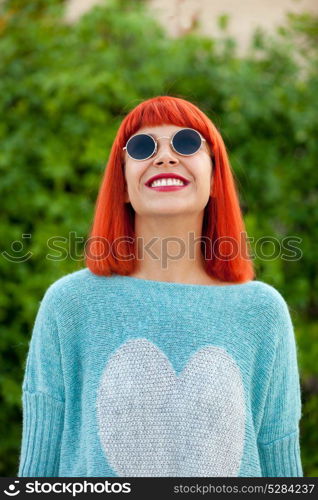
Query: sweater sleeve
[(42, 397), (278, 437)]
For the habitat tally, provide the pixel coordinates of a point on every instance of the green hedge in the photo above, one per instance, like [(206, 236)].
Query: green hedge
[(64, 90)]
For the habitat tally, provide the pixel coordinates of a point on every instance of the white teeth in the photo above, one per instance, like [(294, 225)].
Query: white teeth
[(167, 182)]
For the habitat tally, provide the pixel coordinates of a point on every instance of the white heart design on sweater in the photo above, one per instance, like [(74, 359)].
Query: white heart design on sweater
[(153, 422)]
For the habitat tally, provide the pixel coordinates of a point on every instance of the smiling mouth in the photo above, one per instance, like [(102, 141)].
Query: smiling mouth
[(166, 181), (173, 187)]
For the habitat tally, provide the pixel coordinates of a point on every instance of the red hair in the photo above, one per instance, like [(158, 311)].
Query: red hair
[(226, 254)]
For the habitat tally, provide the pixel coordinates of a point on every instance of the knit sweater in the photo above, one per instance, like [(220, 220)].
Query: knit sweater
[(132, 377)]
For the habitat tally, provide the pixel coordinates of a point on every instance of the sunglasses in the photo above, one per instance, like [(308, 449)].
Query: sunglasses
[(185, 142)]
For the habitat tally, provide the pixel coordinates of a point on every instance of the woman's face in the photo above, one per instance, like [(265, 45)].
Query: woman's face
[(197, 169)]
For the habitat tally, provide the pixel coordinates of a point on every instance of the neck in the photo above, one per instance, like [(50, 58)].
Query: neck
[(169, 249)]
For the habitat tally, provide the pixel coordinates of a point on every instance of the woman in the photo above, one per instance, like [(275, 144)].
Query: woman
[(163, 357)]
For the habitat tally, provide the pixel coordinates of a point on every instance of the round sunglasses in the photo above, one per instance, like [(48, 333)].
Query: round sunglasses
[(185, 142)]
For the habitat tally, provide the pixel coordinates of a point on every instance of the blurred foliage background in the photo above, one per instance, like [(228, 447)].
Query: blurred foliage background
[(64, 89)]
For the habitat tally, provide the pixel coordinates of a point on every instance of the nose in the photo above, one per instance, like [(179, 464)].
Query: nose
[(165, 156)]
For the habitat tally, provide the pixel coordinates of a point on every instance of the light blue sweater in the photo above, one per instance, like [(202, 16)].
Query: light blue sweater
[(132, 377)]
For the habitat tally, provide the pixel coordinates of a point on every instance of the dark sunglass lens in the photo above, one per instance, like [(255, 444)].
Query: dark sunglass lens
[(140, 147), (187, 142)]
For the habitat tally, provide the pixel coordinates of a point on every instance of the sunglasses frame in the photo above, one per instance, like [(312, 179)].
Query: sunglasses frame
[(164, 137)]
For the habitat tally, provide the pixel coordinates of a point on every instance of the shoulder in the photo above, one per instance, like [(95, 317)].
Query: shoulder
[(69, 288), (259, 293), (267, 295), (265, 292), (269, 306)]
